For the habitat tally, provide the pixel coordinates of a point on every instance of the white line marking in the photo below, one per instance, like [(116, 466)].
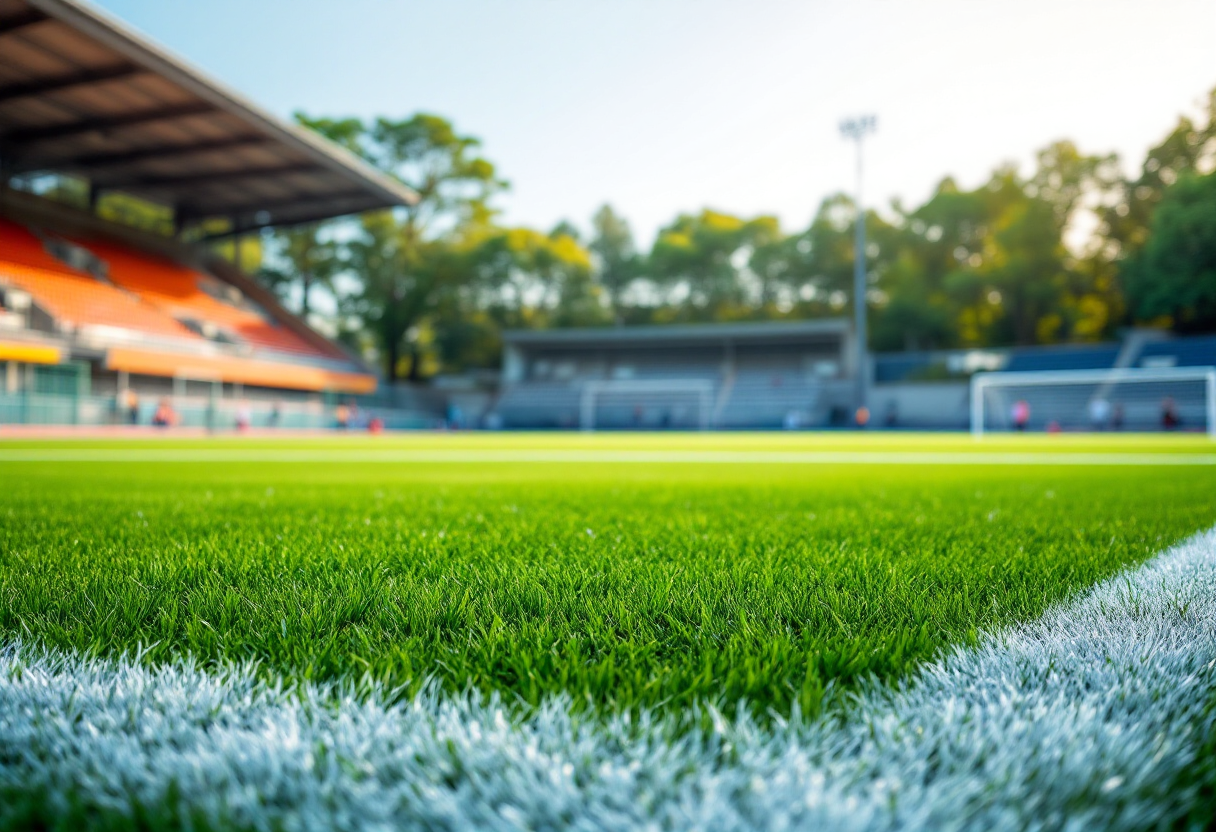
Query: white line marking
[(491, 456), (1089, 718)]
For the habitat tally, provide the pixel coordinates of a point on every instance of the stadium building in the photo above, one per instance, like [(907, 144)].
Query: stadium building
[(96, 315), (721, 376)]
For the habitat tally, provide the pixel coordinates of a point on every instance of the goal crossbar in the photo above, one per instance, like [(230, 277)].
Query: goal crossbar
[(591, 391), (981, 382)]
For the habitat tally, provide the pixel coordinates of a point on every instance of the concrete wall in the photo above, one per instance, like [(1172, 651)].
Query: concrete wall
[(937, 404)]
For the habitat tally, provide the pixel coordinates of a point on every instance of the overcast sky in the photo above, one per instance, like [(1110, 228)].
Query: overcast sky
[(663, 106)]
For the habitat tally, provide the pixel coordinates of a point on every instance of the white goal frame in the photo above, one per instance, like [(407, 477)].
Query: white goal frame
[(981, 382), (702, 389)]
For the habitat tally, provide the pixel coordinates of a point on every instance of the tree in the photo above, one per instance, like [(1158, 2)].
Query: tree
[(1189, 148), (1174, 275), (404, 259), (1065, 177), (304, 258), (398, 280), (820, 266), (528, 279), (703, 261), (615, 257)]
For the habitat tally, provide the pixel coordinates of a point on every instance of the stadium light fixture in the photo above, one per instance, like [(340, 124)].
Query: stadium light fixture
[(856, 129)]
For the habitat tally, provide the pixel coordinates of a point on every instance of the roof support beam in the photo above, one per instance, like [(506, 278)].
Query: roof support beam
[(20, 21), (291, 222), (283, 212), (146, 181), (101, 125), (100, 161), (196, 212), (68, 81)]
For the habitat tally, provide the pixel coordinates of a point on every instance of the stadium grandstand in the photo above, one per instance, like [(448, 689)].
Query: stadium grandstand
[(99, 320), (791, 375), (722, 376), (931, 389)]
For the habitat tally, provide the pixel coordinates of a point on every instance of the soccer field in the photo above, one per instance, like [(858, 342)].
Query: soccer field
[(692, 631)]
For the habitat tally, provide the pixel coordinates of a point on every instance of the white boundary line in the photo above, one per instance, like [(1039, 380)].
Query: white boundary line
[(1088, 718), (487, 456)]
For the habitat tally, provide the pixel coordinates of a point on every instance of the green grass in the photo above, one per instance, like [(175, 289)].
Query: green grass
[(624, 585)]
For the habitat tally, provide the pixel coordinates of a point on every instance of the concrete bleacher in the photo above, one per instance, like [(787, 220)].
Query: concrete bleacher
[(755, 398), (762, 398), (736, 375), (540, 404)]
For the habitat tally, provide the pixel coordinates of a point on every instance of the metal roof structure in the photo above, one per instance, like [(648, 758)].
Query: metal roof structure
[(766, 332), (83, 94)]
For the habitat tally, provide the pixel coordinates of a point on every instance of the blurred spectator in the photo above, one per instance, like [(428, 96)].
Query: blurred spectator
[(862, 416), (276, 414), (244, 417), (1116, 417), (1020, 414), (131, 402), (1099, 413), (893, 414), (1170, 419), (342, 416), (375, 425), (165, 416)]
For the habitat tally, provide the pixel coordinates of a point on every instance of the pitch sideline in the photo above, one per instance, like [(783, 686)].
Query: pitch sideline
[(1088, 717)]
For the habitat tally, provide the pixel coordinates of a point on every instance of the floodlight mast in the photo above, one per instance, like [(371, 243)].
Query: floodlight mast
[(857, 129)]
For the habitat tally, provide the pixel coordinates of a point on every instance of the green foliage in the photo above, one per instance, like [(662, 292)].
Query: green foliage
[(1174, 276), (703, 257), (406, 261), (439, 281), (617, 263), (624, 585), (306, 258), (1189, 148)]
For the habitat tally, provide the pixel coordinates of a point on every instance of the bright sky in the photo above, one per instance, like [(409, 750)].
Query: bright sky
[(663, 106)]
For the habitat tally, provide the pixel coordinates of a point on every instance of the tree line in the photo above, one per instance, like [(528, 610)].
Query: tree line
[(1070, 252)]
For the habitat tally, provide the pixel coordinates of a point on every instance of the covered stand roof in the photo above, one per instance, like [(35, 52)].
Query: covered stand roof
[(681, 335), (80, 93)]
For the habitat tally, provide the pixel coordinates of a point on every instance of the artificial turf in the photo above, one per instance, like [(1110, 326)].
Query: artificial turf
[(626, 586)]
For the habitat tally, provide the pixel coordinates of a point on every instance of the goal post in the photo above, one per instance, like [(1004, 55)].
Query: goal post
[(648, 394), (1120, 399)]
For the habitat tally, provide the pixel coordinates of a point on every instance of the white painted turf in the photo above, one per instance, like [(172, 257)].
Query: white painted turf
[(1088, 718)]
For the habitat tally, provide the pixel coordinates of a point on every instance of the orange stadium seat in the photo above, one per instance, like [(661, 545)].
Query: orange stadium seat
[(20, 245), (83, 301), (172, 288), (176, 288), (243, 370), (72, 296)]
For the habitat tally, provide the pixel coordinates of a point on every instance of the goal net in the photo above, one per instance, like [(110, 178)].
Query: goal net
[(646, 404), (1134, 399)]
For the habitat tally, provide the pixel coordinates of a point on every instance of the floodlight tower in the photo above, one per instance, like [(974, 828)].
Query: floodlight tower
[(857, 129)]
